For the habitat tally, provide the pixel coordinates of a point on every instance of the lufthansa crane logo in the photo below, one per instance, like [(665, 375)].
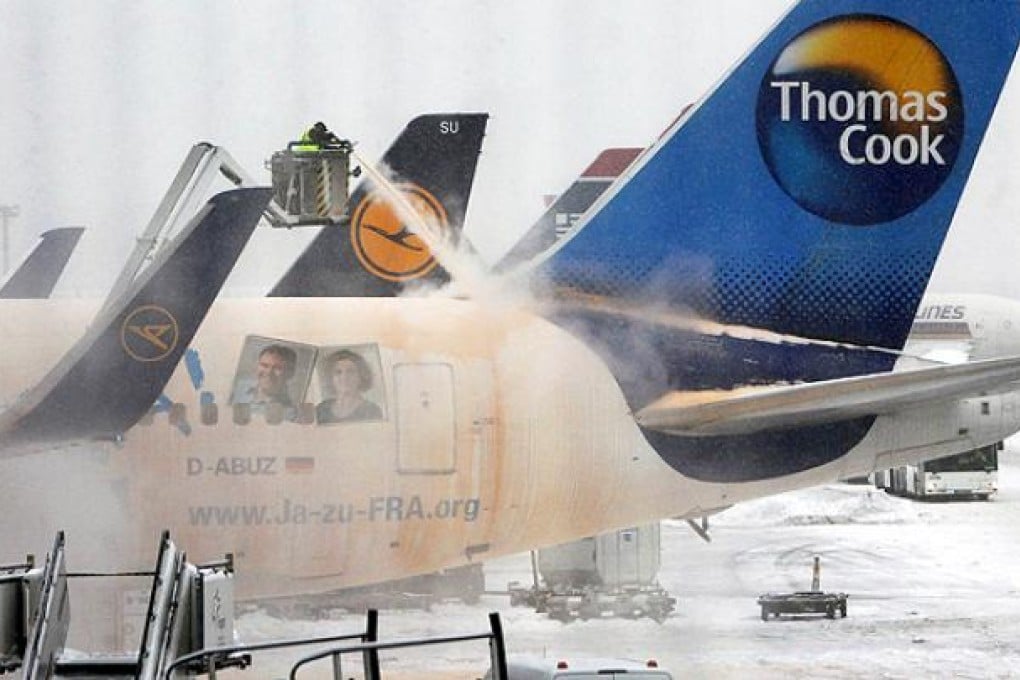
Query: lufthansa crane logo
[(149, 333), (386, 245), (860, 119)]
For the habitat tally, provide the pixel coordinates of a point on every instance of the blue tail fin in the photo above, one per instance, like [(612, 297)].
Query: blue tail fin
[(373, 254), (809, 194)]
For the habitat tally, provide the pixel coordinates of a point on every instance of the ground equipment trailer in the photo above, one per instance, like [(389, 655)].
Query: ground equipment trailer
[(807, 602), (611, 574), (812, 601)]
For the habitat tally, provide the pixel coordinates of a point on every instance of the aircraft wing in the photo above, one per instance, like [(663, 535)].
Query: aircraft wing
[(945, 341), (115, 372), (945, 352), (39, 272), (753, 409)]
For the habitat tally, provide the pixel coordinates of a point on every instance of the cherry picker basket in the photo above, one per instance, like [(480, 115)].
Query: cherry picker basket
[(310, 184)]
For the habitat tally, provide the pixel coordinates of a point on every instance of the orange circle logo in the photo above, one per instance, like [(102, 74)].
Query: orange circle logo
[(386, 245), (149, 333)]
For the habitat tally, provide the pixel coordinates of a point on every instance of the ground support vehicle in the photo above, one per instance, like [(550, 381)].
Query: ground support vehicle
[(812, 601), (807, 602), (579, 668), (611, 574), (972, 475)]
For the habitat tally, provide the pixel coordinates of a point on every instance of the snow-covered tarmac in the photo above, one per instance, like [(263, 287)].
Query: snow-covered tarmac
[(934, 593)]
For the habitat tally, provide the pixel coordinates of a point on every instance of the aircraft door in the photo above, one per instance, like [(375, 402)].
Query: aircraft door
[(425, 418), (986, 416)]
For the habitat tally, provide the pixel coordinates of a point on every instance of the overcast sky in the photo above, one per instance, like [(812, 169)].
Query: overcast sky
[(102, 99)]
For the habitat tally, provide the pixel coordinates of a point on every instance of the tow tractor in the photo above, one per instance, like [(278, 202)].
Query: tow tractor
[(812, 601)]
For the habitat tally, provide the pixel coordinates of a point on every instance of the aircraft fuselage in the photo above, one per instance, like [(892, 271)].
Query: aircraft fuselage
[(495, 432)]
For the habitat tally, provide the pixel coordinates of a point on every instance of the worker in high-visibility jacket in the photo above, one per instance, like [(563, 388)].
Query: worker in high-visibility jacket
[(306, 144), (318, 137)]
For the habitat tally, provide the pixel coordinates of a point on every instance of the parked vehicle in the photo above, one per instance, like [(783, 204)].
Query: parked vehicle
[(610, 574), (969, 475), (552, 668)]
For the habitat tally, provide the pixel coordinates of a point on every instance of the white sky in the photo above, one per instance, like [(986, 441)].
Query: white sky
[(103, 99)]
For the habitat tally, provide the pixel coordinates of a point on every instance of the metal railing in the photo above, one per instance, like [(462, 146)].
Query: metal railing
[(497, 651), (207, 659)]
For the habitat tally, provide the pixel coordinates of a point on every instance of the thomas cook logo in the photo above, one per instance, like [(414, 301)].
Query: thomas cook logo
[(149, 333), (386, 245), (860, 119)]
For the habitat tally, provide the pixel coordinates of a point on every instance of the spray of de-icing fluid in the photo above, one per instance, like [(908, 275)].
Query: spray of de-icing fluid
[(468, 277)]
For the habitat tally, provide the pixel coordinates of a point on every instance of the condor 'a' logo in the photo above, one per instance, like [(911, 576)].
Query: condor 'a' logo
[(860, 119), (149, 333), (386, 245)]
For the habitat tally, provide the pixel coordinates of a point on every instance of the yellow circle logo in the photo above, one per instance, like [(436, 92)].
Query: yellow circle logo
[(384, 243), (149, 333)]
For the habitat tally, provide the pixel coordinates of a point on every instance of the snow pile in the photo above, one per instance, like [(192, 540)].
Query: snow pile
[(831, 504)]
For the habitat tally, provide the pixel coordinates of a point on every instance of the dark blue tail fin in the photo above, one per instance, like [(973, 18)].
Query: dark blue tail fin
[(114, 373), (38, 274), (373, 254)]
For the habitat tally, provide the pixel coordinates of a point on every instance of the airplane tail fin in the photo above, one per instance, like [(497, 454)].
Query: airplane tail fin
[(114, 373), (39, 272), (784, 229), (373, 254), (565, 210), (810, 192)]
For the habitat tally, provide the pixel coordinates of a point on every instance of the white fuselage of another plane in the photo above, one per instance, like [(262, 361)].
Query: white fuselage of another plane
[(499, 432), (965, 327)]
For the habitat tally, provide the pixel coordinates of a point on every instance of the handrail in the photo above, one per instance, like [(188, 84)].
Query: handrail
[(371, 628), (497, 652)]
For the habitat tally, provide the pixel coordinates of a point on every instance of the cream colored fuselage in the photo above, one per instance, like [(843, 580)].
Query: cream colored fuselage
[(500, 433)]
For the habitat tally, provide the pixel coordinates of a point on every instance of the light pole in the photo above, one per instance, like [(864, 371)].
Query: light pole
[(7, 212)]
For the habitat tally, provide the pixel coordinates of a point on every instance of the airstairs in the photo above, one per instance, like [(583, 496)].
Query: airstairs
[(188, 629), (191, 607)]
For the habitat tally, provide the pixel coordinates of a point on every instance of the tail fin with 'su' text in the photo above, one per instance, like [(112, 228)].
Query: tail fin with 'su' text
[(373, 253)]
